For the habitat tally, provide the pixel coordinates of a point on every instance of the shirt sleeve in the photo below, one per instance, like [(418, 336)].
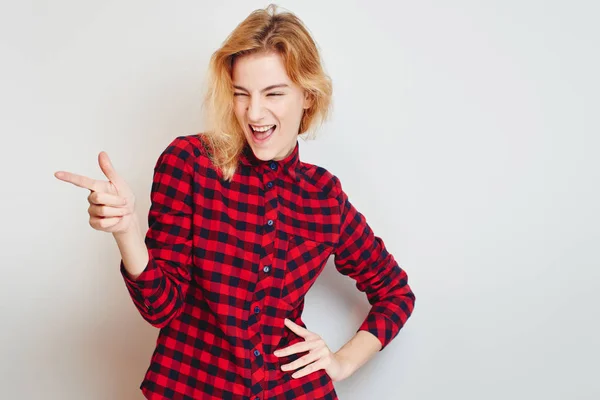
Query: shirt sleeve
[(363, 257), (159, 292)]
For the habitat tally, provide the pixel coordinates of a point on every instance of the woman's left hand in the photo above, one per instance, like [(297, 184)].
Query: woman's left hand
[(319, 356)]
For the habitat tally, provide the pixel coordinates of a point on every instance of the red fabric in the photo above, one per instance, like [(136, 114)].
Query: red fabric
[(230, 260)]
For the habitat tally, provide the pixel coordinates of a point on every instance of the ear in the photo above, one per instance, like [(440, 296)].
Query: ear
[(308, 100)]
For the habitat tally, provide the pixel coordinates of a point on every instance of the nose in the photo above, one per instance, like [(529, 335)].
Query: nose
[(255, 110)]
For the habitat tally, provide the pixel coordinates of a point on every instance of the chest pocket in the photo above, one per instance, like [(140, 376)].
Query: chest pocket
[(309, 228), (305, 259)]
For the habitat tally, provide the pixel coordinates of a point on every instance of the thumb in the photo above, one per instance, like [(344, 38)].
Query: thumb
[(108, 170)]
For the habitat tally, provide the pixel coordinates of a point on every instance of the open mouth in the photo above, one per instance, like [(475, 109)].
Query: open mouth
[(262, 133)]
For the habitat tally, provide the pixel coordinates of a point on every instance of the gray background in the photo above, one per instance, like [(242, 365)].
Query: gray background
[(466, 132)]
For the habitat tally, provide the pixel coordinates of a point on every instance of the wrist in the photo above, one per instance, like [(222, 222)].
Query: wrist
[(132, 230), (348, 367)]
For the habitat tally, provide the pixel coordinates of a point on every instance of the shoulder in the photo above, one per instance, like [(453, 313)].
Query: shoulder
[(320, 179), (193, 145), (193, 150), (179, 147)]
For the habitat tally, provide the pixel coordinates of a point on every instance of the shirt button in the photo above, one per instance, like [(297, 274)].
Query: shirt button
[(266, 269), (256, 310), (270, 185), (270, 222), (256, 353), (273, 165)]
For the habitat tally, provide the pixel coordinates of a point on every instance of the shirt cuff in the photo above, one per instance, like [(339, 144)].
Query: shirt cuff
[(381, 327), (149, 285)]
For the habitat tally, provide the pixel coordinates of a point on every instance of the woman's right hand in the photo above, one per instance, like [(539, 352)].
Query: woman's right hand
[(112, 203)]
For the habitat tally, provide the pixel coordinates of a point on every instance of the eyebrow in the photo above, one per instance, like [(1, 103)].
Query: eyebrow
[(280, 85)]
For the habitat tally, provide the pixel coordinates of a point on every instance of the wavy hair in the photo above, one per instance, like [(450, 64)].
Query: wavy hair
[(264, 30)]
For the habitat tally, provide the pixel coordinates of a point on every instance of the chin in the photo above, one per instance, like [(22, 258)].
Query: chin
[(264, 153)]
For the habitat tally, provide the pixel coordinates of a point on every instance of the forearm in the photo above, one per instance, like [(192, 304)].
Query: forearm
[(133, 249), (358, 350), (157, 295)]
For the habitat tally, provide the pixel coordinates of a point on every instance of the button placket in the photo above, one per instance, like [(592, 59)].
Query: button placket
[(269, 177), (259, 310)]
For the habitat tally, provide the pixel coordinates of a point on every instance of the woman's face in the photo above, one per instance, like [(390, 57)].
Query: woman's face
[(267, 105)]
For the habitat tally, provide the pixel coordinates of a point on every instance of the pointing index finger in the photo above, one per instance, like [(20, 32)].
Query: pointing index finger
[(77, 180)]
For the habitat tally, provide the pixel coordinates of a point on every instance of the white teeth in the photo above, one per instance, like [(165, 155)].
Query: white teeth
[(261, 129)]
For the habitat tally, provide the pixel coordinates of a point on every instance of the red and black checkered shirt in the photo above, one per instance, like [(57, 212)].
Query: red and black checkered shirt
[(230, 260)]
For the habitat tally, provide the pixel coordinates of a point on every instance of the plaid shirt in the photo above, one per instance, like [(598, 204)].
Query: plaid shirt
[(230, 260)]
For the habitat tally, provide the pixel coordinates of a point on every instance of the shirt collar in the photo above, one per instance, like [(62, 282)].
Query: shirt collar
[(289, 164)]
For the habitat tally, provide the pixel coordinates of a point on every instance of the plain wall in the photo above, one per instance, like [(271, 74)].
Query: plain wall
[(466, 132)]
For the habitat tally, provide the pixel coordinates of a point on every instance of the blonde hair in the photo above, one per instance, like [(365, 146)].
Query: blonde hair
[(263, 30)]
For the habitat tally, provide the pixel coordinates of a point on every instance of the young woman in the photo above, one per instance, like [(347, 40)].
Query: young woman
[(239, 230)]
